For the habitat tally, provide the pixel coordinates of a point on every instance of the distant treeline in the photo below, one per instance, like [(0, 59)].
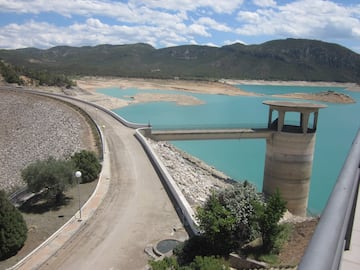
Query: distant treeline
[(22, 76), (284, 60)]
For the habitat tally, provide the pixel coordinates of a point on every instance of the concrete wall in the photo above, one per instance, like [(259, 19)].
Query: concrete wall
[(288, 167)]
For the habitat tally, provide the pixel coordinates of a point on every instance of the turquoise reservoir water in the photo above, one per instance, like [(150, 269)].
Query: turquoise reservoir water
[(244, 159)]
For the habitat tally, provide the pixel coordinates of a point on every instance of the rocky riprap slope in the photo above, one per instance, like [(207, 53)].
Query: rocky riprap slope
[(33, 128), (196, 179)]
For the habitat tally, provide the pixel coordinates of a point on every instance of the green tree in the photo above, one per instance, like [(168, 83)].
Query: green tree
[(88, 163), (269, 215), (218, 225), (13, 230), (53, 177)]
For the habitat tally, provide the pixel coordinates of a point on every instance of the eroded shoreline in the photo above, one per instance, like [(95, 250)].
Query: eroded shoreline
[(89, 85)]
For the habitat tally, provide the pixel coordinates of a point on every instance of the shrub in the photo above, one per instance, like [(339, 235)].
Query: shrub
[(13, 230), (209, 263), (200, 263), (218, 225), (191, 248), (164, 264), (239, 200), (88, 163), (228, 219), (268, 218)]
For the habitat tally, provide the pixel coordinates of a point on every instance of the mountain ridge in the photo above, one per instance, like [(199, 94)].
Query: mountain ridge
[(289, 59)]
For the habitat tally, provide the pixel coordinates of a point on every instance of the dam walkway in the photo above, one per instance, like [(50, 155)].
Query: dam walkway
[(209, 134)]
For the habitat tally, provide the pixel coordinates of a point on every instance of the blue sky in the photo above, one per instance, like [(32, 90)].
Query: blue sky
[(164, 23)]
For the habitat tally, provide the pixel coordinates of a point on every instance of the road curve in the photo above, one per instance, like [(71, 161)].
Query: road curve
[(136, 211)]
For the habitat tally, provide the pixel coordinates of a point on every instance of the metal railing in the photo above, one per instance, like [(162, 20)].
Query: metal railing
[(333, 233)]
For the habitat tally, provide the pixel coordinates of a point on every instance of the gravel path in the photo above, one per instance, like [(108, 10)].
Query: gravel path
[(34, 128)]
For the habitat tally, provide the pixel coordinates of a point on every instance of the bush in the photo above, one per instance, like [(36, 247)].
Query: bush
[(88, 164), (191, 248), (13, 230), (200, 263), (239, 200), (268, 218), (50, 176), (228, 218), (209, 263), (164, 264), (218, 225)]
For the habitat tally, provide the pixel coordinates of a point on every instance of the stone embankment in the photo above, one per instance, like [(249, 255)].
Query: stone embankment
[(34, 128), (195, 178)]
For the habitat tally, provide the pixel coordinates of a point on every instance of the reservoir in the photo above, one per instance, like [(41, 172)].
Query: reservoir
[(244, 159)]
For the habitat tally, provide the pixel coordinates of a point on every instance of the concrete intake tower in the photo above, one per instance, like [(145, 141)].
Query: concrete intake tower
[(289, 152)]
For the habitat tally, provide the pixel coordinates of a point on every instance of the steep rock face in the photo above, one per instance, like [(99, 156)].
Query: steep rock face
[(290, 59)]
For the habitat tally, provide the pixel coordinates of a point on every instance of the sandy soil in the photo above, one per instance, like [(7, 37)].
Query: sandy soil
[(88, 86)]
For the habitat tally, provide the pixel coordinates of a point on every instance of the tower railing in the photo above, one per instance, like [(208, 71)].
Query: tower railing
[(333, 233)]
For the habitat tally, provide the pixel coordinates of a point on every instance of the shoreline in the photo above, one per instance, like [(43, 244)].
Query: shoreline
[(87, 87), (348, 86)]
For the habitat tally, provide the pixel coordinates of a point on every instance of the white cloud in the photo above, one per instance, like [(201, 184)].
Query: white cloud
[(264, 3), (191, 5), (93, 31), (206, 21), (66, 7), (199, 30), (304, 18), (114, 8), (173, 22)]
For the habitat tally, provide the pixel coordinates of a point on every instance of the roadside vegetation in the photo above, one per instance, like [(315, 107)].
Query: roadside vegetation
[(236, 219)]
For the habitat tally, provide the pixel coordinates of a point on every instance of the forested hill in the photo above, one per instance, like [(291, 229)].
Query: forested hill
[(290, 59)]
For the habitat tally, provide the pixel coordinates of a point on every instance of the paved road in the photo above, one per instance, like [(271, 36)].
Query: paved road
[(135, 213)]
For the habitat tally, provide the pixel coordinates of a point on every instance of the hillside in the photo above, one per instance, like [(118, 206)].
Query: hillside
[(290, 59)]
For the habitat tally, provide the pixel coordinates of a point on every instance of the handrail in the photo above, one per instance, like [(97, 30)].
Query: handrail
[(328, 241)]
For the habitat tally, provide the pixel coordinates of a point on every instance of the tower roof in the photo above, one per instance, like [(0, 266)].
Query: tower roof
[(294, 106)]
